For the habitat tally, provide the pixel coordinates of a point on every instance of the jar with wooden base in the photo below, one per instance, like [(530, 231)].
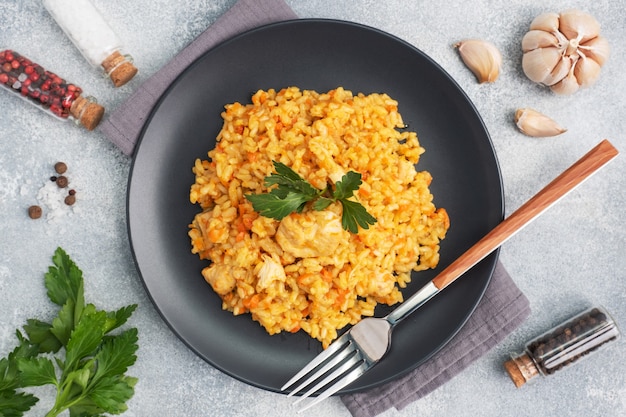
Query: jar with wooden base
[(563, 346), (93, 36), (47, 91)]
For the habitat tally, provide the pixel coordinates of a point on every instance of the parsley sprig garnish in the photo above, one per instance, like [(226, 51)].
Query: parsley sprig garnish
[(293, 193), (90, 377)]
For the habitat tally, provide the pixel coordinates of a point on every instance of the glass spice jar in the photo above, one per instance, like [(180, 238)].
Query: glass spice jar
[(94, 38), (47, 91), (563, 345)]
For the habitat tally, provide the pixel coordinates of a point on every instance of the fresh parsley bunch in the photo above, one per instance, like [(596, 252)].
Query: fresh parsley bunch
[(90, 377), (293, 192)]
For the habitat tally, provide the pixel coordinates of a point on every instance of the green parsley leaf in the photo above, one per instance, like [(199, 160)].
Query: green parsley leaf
[(353, 214), (40, 334), (112, 392), (85, 338), (15, 404), (349, 183), (35, 372), (288, 179), (117, 354), (63, 324), (277, 206), (64, 280), (119, 317), (86, 408), (322, 203), (9, 373), (293, 193)]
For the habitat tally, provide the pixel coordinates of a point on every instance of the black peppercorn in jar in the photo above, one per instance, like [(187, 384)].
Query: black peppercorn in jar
[(47, 91), (563, 345)]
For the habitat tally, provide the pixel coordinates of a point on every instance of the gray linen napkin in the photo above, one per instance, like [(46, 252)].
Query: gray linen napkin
[(501, 310)]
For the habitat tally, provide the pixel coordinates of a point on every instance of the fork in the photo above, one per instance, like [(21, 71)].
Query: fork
[(365, 344)]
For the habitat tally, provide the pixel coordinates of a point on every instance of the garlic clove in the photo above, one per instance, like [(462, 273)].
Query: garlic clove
[(539, 63), (559, 72), (482, 58), (586, 72), (548, 22), (597, 49), (535, 124), (568, 85), (575, 24), (538, 39)]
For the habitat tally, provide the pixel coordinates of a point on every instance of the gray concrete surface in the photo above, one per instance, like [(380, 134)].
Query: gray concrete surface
[(572, 257)]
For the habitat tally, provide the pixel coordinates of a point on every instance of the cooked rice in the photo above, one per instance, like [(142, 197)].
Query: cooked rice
[(307, 273)]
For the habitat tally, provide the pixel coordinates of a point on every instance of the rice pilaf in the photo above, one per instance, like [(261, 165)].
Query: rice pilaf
[(305, 271)]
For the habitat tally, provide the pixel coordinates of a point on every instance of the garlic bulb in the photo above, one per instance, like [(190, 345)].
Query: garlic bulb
[(533, 123), (482, 58), (564, 51)]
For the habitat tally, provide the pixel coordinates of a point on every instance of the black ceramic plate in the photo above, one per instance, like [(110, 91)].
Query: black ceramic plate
[(318, 55)]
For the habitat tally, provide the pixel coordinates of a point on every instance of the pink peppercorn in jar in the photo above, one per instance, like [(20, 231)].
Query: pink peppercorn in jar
[(47, 91), (93, 36)]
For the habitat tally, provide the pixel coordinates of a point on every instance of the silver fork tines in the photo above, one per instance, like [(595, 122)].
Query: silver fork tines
[(347, 365), (341, 363), (336, 360), (340, 372), (317, 361)]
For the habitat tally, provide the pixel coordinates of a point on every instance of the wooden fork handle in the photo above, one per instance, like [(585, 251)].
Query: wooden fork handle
[(590, 163)]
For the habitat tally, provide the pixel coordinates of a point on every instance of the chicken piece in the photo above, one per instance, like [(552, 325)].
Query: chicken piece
[(325, 151), (271, 271), (220, 277), (311, 234), (381, 284)]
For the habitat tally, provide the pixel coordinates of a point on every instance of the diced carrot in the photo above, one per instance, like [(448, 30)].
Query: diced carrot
[(215, 235), (251, 302), (364, 192), (326, 275), (248, 220), (303, 277), (341, 298)]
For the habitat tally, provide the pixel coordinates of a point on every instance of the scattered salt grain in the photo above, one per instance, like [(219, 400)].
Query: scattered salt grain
[(52, 198)]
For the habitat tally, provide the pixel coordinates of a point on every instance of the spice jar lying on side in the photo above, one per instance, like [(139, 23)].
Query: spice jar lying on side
[(47, 91), (563, 345), (94, 38)]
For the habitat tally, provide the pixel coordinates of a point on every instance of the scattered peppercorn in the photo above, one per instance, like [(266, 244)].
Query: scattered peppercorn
[(60, 167), (53, 178), (70, 199), (62, 181), (72, 192), (34, 212)]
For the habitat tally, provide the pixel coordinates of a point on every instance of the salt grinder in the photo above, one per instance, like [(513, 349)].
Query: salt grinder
[(563, 345), (93, 36)]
